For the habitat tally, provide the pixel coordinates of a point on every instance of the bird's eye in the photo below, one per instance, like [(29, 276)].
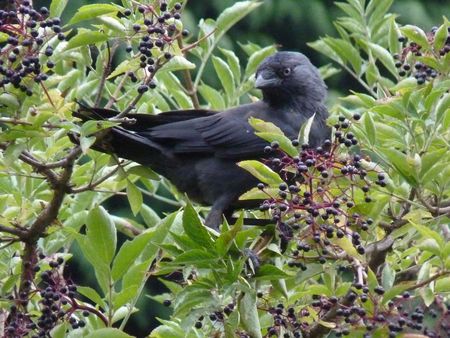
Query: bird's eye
[(287, 71)]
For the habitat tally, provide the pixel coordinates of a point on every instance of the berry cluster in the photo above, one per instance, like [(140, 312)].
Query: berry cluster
[(318, 201), (156, 29), (402, 315), (56, 299), (408, 61), (28, 44)]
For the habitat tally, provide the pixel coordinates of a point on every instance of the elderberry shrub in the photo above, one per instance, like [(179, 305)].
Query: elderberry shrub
[(316, 206), (30, 42), (416, 60), (156, 28), (56, 299), (316, 215)]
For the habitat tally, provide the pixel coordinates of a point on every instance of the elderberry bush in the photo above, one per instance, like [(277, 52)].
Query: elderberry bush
[(28, 42)]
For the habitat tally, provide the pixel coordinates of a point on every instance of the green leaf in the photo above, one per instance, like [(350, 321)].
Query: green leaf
[(440, 37), (305, 130), (177, 62), (128, 254), (233, 63), (92, 295), (59, 331), (261, 172), (388, 276), (428, 233), (194, 228), (394, 34), (132, 280), (226, 238), (256, 58), (416, 35), (399, 161), (9, 100), (142, 171), (150, 216), (88, 12), (134, 196), (249, 314), (263, 126), (376, 9), (113, 24), (270, 272), (57, 7), (233, 14), (346, 51), (369, 127), (108, 333), (443, 285), (101, 234), (384, 56), (85, 38), (328, 71), (212, 97), (195, 257), (225, 75)]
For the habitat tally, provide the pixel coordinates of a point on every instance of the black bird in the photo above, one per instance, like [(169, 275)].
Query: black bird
[(197, 150)]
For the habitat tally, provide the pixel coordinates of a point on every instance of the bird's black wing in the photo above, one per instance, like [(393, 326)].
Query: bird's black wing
[(226, 135)]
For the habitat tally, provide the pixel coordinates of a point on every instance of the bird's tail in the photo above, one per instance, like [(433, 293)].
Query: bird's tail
[(125, 141)]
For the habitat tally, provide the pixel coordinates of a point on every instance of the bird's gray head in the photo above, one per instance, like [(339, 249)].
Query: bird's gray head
[(286, 77)]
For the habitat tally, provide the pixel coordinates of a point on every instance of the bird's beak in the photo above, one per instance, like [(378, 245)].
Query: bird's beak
[(265, 79)]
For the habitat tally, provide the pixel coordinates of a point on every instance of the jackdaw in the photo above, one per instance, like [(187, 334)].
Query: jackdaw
[(197, 150)]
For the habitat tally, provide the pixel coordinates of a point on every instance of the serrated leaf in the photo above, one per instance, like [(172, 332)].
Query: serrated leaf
[(9, 100), (394, 34), (88, 12), (212, 97), (134, 196), (225, 75), (256, 58), (85, 38), (177, 62), (261, 172), (346, 51), (443, 285), (233, 63), (194, 228), (305, 130), (283, 141), (263, 126), (416, 35), (233, 14), (440, 37), (128, 253), (108, 333), (195, 257), (384, 56), (249, 314), (142, 171), (387, 276), (270, 272), (369, 127), (101, 234), (57, 7), (399, 161)]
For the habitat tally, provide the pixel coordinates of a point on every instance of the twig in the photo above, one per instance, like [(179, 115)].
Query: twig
[(113, 98), (92, 185), (105, 73), (133, 103), (191, 90), (160, 198)]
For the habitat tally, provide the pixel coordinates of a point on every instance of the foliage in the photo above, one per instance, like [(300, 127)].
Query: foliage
[(358, 240)]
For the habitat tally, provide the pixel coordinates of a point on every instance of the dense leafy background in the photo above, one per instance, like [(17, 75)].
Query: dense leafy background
[(403, 129)]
